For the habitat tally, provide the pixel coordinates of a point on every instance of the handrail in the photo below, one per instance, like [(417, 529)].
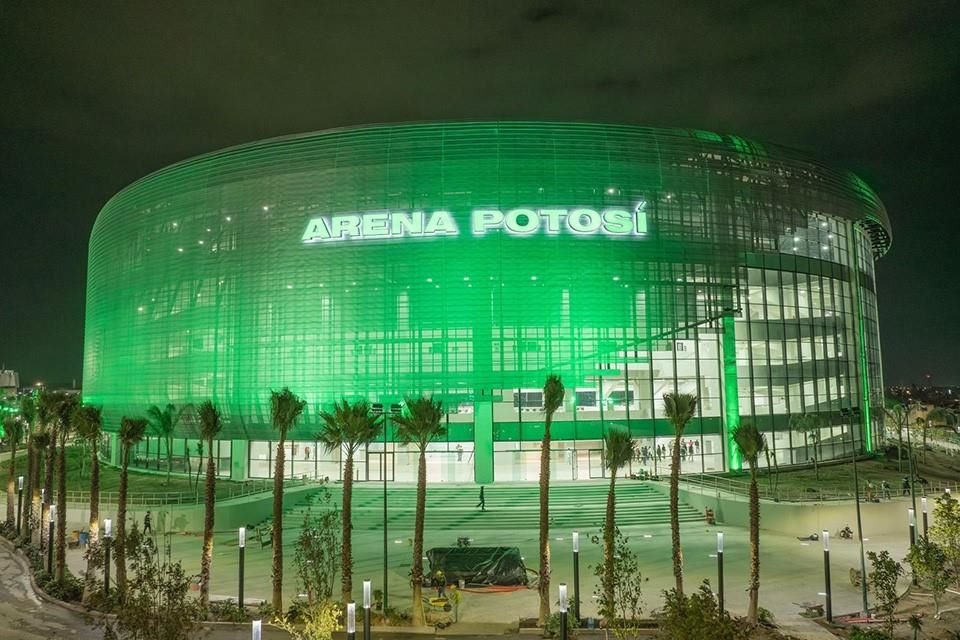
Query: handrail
[(740, 488), (156, 499)]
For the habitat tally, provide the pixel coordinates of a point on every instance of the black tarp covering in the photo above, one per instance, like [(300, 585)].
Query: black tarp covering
[(479, 565)]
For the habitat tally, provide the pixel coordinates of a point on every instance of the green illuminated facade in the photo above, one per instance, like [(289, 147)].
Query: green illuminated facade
[(470, 260)]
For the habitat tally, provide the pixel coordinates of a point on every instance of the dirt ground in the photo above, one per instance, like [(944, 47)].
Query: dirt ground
[(919, 601)]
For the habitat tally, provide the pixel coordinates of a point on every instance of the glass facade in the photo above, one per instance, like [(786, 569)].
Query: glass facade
[(470, 260)]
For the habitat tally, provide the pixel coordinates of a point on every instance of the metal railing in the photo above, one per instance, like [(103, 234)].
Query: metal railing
[(165, 498), (740, 488)]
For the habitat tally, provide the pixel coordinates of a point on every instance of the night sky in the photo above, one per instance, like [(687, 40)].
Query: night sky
[(96, 95)]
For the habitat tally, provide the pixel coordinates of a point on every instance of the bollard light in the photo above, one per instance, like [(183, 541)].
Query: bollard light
[(43, 496), (911, 517), (367, 585), (107, 528), (828, 593), (351, 617), (719, 541), (926, 520), (242, 535), (256, 629), (20, 483), (53, 513), (826, 540), (563, 598), (923, 504), (576, 542)]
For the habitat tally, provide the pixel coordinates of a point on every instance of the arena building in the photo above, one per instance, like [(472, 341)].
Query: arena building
[(471, 260)]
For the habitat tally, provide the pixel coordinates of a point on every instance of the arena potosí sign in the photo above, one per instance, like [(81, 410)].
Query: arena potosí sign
[(520, 221)]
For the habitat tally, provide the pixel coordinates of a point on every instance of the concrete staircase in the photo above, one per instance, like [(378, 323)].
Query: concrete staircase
[(509, 507)]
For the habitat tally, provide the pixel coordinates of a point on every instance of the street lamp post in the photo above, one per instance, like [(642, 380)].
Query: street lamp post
[(563, 612), (367, 586), (19, 502), (912, 525), (242, 549), (107, 534), (576, 578), (720, 569), (53, 515), (826, 575), (852, 414), (351, 621)]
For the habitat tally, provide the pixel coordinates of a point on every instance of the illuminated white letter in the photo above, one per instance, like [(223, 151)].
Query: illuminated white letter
[(441, 224), (640, 215), (617, 222), (374, 225), (484, 219), (345, 226), (553, 217), (316, 231), (583, 221), (406, 224), (522, 221)]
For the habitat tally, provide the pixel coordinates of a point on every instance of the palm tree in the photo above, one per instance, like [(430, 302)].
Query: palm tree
[(553, 393), (679, 409), (420, 425), (751, 443), (619, 449), (65, 407), (88, 421), (809, 424), (13, 428), (285, 408), (39, 443), (345, 429), (132, 431), (164, 423), (47, 413), (210, 426), (28, 414)]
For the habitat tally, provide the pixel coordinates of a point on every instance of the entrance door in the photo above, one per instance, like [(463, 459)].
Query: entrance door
[(375, 460), (596, 463)]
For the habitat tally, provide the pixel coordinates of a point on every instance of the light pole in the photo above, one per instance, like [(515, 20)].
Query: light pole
[(826, 575), (19, 502), (852, 414), (107, 534), (720, 569), (923, 505), (351, 621), (367, 585), (576, 578), (256, 628), (912, 525), (53, 515), (242, 548), (563, 611)]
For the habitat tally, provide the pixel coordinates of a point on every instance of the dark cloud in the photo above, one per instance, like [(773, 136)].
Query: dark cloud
[(98, 94)]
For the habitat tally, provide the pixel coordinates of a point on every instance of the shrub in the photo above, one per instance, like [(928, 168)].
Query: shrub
[(697, 617), (868, 634)]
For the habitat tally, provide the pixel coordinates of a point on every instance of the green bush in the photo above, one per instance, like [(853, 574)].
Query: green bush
[(227, 611), (697, 617), (868, 634), (70, 590)]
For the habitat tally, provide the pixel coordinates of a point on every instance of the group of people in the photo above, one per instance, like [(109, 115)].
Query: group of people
[(648, 453), (885, 490)]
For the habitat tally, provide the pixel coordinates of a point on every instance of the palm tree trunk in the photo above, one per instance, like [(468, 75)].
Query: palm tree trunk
[(543, 587), (94, 523), (416, 574), (48, 490), (208, 518), (28, 490), (609, 576), (34, 510), (11, 485), (169, 457), (277, 536), (120, 555), (61, 538), (900, 448), (754, 586), (346, 557), (675, 514)]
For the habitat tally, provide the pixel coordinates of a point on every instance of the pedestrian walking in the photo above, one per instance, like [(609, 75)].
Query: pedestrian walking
[(483, 502), (147, 524)]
